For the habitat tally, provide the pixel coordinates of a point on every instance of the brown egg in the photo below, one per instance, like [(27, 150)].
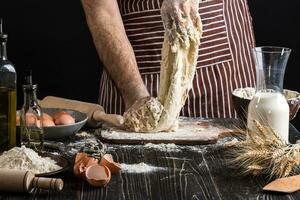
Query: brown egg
[(47, 116), (31, 119), (57, 114), (38, 123), (18, 120), (64, 119), (48, 122), (107, 160), (98, 175)]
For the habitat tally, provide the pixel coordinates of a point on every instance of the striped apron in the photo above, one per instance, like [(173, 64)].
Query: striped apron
[(224, 61)]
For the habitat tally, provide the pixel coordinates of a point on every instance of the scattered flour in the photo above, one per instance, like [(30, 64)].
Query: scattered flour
[(23, 158), (164, 147), (139, 168), (83, 134)]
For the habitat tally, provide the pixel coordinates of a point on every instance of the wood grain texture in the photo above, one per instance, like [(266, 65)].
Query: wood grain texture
[(185, 172)]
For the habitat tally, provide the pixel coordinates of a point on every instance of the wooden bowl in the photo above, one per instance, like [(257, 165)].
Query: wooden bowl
[(241, 98)]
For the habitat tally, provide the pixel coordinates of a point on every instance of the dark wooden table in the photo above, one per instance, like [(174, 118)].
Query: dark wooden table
[(185, 172)]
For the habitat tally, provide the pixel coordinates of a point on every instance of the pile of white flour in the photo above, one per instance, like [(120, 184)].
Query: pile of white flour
[(139, 168), (26, 159), (163, 147)]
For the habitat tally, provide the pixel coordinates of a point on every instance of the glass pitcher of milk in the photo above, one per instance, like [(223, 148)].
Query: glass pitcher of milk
[(269, 106)]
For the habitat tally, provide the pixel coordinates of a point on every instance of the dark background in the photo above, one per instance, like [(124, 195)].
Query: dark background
[(52, 39)]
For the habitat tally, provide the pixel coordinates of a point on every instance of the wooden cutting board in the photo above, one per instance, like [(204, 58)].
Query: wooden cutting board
[(190, 131)]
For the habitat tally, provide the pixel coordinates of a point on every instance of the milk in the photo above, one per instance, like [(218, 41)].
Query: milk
[(270, 108)]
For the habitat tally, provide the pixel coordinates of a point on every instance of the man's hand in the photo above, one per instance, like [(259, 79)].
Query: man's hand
[(114, 49), (178, 17)]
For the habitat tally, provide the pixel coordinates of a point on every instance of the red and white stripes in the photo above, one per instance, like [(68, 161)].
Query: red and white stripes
[(224, 61)]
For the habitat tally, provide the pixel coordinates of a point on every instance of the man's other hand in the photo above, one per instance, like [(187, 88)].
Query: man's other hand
[(178, 16)]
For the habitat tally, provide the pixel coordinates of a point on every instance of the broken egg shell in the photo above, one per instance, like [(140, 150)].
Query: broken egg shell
[(82, 162), (76, 167), (79, 165), (98, 175), (79, 170), (80, 156), (89, 161), (107, 160)]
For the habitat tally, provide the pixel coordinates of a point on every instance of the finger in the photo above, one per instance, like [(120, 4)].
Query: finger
[(194, 12), (194, 2), (199, 26), (185, 7), (195, 16)]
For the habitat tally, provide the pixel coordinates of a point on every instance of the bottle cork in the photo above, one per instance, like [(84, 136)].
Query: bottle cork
[(25, 181)]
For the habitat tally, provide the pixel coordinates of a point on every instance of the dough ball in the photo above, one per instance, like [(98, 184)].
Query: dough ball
[(143, 116)]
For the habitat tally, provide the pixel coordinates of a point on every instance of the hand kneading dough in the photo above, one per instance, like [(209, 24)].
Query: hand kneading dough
[(143, 116), (176, 76)]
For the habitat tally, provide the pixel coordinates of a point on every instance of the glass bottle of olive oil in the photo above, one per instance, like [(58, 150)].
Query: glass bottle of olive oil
[(8, 101)]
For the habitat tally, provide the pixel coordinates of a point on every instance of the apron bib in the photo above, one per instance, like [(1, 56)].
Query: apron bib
[(224, 60)]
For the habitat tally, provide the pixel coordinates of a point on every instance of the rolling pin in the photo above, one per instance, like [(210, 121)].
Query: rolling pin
[(95, 112), (25, 181)]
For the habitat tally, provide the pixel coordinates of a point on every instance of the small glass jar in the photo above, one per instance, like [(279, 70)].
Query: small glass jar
[(31, 132)]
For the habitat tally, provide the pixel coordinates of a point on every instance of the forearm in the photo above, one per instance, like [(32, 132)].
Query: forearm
[(114, 49)]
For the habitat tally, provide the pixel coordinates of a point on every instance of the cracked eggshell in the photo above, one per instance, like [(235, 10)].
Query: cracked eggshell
[(80, 156), (98, 175), (78, 165), (107, 160), (82, 162)]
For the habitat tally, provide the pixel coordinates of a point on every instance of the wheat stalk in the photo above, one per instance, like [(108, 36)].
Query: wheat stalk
[(263, 152)]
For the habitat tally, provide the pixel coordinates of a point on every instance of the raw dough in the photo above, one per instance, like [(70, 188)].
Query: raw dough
[(176, 76), (143, 116)]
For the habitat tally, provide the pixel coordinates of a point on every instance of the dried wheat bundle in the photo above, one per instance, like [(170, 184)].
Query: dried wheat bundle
[(263, 152)]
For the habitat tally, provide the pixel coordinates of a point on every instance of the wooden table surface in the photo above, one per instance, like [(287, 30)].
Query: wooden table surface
[(183, 172)]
